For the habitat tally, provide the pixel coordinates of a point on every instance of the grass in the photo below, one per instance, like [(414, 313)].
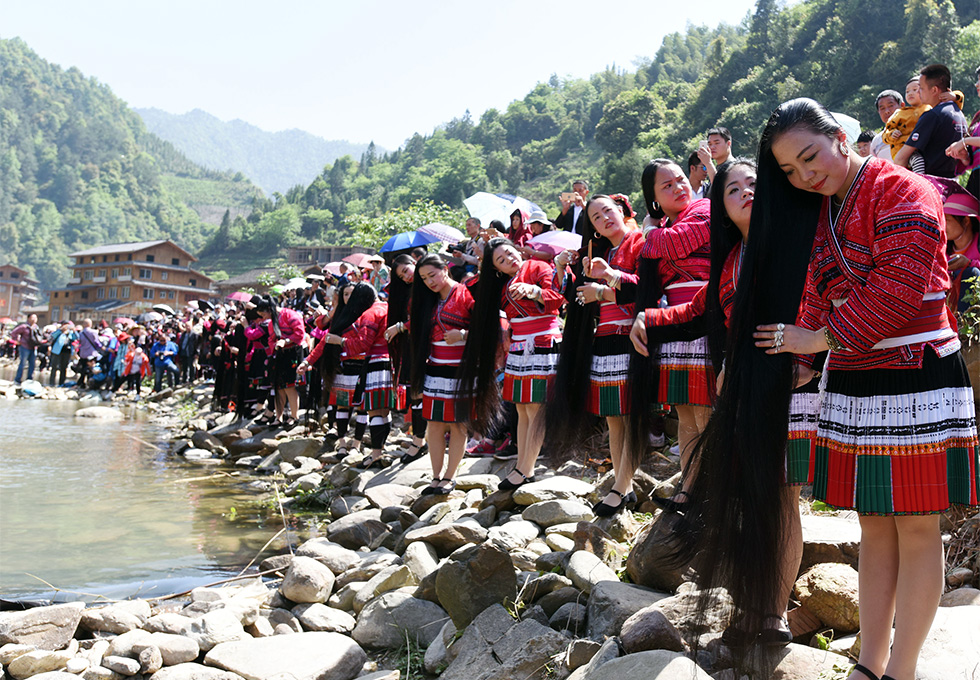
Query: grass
[(409, 659)]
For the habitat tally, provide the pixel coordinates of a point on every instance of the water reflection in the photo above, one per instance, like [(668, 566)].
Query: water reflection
[(93, 506)]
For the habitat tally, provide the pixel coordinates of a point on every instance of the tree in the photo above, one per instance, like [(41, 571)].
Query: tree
[(625, 117), (372, 232)]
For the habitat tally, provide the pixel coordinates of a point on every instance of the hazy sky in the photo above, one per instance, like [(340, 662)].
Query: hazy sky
[(356, 70)]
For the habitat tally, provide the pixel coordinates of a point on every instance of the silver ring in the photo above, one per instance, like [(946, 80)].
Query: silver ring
[(780, 327)]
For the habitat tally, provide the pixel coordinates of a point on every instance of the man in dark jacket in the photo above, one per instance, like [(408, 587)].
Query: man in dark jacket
[(28, 338)]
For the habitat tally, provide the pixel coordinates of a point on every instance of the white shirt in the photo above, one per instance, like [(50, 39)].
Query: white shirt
[(881, 150), (576, 211)]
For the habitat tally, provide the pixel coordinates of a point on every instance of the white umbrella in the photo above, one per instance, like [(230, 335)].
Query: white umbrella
[(555, 241), (296, 283), (443, 232), (483, 203), (164, 309), (852, 127)]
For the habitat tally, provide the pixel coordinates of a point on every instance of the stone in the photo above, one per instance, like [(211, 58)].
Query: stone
[(39, 661), (292, 449), (589, 536), (307, 581), (317, 616), (206, 441), (306, 483), (284, 617), (97, 673), (12, 650), (472, 579), (494, 647), (551, 602), (952, 647), (387, 495), (608, 651), (117, 618), (255, 444), (341, 506), (485, 483), (682, 611), (100, 413), (586, 570), (357, 529), (797, 662), (611, 603), (660, 664), (421, 559), (343, 599), (197, 454), (651, 561), (57, 675), (501, 501), (540, 586), (830, 539), (958, 577), (436, 654), (560, 543), (333, 556), (303, 656), (446, 538), (43, 627), (960, 597), (390, 578), (174, 649), (557, 488), (122, 665), (127, 643), (370, 564), (77, 665), (830, 591), (547, 513), (649, 629), (382, 675), (580, 652), (551, 560), (513, 535), (215, 628), (389, 619), (279, 563), (193, 671), (168, 622), (571, 617)]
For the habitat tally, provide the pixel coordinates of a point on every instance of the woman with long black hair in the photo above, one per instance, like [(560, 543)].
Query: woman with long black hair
[(594, 365), (286, 335), (441, 310), (399, 302), (732, 198), (896, 437), (524, 290), (366, 380), (675, 261)]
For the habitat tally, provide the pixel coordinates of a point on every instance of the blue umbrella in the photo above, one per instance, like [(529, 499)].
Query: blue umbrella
[(408, 239)]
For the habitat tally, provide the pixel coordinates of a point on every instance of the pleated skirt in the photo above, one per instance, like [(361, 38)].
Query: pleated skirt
[(898, 441), (608, 392), (686, 378), (529, 370)]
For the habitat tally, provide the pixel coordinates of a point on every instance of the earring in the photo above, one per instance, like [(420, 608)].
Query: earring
[(597, 236), (656, 207), (843, 149)]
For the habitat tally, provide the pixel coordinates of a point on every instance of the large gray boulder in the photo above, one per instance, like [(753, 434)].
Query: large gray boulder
[(547, 513), (43, 627), (193, 671), (357, 529), (660, 664), (333, 556), (301, 656), (446, 538), (586, 570), (307, 580), (294, 448), (650, 562), (612, 602), (473, 578), (557, 488), (390, 619), (117, 618)]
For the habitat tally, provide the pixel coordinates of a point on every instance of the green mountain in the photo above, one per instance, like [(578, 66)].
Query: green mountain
[(276, 161), (79, 169)]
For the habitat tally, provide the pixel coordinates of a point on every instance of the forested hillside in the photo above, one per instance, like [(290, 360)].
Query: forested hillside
[(275, 161), (604, 128), (79, 169)]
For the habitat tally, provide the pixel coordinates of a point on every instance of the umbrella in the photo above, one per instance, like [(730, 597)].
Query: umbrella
[(406, 240), (164, 309), (297, 283), (359, 260), (5, 320), (205, 305), (124, 321), (555, 242), (443, 232), (149, 316), (516, 202), (483, 203), (276, 289), (240, 296), (851, 126), (332, 268)]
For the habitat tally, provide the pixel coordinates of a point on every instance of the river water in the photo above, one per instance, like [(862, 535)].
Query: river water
[(96, 507)]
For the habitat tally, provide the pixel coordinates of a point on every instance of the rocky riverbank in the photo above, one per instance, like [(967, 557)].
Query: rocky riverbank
[(477, 584)]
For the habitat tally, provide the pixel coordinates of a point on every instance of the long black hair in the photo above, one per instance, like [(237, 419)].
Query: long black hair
[(736, 496), (399, 299), (362, 297), (268, 305), (724, 236), (424, 301), (476, 369), (565, 417)]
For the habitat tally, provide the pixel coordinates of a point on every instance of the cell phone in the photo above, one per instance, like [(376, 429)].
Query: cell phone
[(568, 196)]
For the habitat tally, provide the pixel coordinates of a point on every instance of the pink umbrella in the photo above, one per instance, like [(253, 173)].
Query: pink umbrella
[(556, 241), (124, 321), (240, 296), (332, 267), (359, 260)]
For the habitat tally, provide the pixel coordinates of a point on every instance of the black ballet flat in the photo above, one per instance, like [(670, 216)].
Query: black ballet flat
[(669, 504), (430, 490), (871, 676), (603, 509), (445, 490), (412, 457), (367, 463), (776, 636), (507, 485)]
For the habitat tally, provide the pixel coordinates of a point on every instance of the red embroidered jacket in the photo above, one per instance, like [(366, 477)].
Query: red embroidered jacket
[(669, 316), (683, 247), (453, 313), (873, 272), (526, 314)]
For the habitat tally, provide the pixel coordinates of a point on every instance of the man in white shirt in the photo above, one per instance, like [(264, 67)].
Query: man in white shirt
[(887, 102), (697, 174)]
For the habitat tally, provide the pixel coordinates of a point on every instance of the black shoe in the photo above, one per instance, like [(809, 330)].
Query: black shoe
[(871, 676), (669, 504), (430, 490), (412, 457), (603, 509), (445, 490), (368, 463), (778, 635), (507, 485)]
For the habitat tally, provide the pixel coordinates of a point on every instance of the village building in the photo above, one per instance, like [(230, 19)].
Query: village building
[(127, 279), (18, 291)]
